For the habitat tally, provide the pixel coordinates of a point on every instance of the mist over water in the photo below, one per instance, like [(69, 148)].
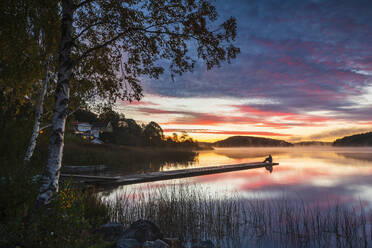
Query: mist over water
[(317, 175), (315, 197)]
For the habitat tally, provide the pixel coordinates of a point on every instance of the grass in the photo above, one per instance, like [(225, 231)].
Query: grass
[(187, 211), (75, 214), (192, 214), (69, 221)]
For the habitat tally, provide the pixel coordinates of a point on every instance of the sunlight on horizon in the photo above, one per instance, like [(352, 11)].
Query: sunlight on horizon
[(213, 119)]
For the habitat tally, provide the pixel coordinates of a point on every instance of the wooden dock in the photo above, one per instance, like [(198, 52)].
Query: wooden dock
[(108, 182)]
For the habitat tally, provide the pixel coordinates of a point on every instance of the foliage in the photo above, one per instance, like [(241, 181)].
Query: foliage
[(108, 115), (364, 139), (28, 39), (127, 132), (183, 142), (69, 221), (14, 130), (75, 214), (140, 38), (153, 134), (85, 116)]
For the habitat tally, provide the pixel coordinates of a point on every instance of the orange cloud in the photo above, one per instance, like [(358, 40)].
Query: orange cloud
[(206, 131)]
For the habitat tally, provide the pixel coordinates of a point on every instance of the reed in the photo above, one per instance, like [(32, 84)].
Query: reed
[(192, 213)]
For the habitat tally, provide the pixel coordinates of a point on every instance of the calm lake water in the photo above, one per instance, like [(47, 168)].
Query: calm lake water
[(296, 205), (316, 174)]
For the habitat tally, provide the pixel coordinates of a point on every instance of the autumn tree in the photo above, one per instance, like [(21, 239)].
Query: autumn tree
[(135, 39)]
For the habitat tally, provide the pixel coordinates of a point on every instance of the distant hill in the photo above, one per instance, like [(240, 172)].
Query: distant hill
[(364, 139), (236, 141), (313, 143)]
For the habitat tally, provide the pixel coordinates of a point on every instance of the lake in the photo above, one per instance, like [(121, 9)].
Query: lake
[(317, 174), (311, 177)]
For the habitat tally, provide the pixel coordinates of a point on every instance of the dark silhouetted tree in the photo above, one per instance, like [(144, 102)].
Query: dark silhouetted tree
[(83, 115), (108, 115), (127, 40), (153, 134)]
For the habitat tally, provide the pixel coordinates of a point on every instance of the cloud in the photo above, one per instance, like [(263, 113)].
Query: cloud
[(139, 103), (248, 116), (305, 55), (226, 132)]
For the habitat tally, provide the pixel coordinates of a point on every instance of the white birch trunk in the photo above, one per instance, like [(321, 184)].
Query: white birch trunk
[(50, 179), (38, 114)]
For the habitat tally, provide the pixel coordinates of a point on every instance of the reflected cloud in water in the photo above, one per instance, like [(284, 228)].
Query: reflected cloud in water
[(320, 175)]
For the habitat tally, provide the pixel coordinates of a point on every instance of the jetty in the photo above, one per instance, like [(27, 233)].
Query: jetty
[(109, 182)]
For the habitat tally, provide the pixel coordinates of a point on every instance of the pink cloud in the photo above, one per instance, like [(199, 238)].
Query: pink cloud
[(305, 119), (255, 111), (139, 103), (257, 117), (227, 132)]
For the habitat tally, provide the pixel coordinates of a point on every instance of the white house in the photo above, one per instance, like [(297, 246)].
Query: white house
[(92, 131), (81, 128)]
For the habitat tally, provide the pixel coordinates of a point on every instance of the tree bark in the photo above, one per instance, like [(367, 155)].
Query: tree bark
[(50, 179), (38, 114)]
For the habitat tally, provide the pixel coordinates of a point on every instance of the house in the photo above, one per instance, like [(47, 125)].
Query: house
[(92, 131), (82, 128), (100, 127)]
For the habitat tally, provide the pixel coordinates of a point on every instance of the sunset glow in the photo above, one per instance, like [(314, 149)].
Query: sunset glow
[(304, 73)]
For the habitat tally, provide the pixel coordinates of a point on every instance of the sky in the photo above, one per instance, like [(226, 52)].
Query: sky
[(304, 73)]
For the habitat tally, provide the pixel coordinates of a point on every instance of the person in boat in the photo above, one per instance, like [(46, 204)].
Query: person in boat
[(269, 159)]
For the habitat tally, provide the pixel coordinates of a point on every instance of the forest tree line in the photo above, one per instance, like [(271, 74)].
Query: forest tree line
[(129, 133)]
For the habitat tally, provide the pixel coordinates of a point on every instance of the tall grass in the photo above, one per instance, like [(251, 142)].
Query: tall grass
[(190, 213), (70, 220)]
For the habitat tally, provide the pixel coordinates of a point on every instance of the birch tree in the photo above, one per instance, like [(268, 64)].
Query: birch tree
[(38, 114), (42, 20), (134, 39)]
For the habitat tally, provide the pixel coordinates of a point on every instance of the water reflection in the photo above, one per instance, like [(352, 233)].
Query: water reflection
[(269, 168), (141, 163), (309, 184), (316, 175), (361, 156)]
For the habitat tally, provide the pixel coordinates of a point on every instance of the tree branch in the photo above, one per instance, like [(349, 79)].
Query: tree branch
[(49, 125), (87, 28), (87, 52), (169, 33)]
